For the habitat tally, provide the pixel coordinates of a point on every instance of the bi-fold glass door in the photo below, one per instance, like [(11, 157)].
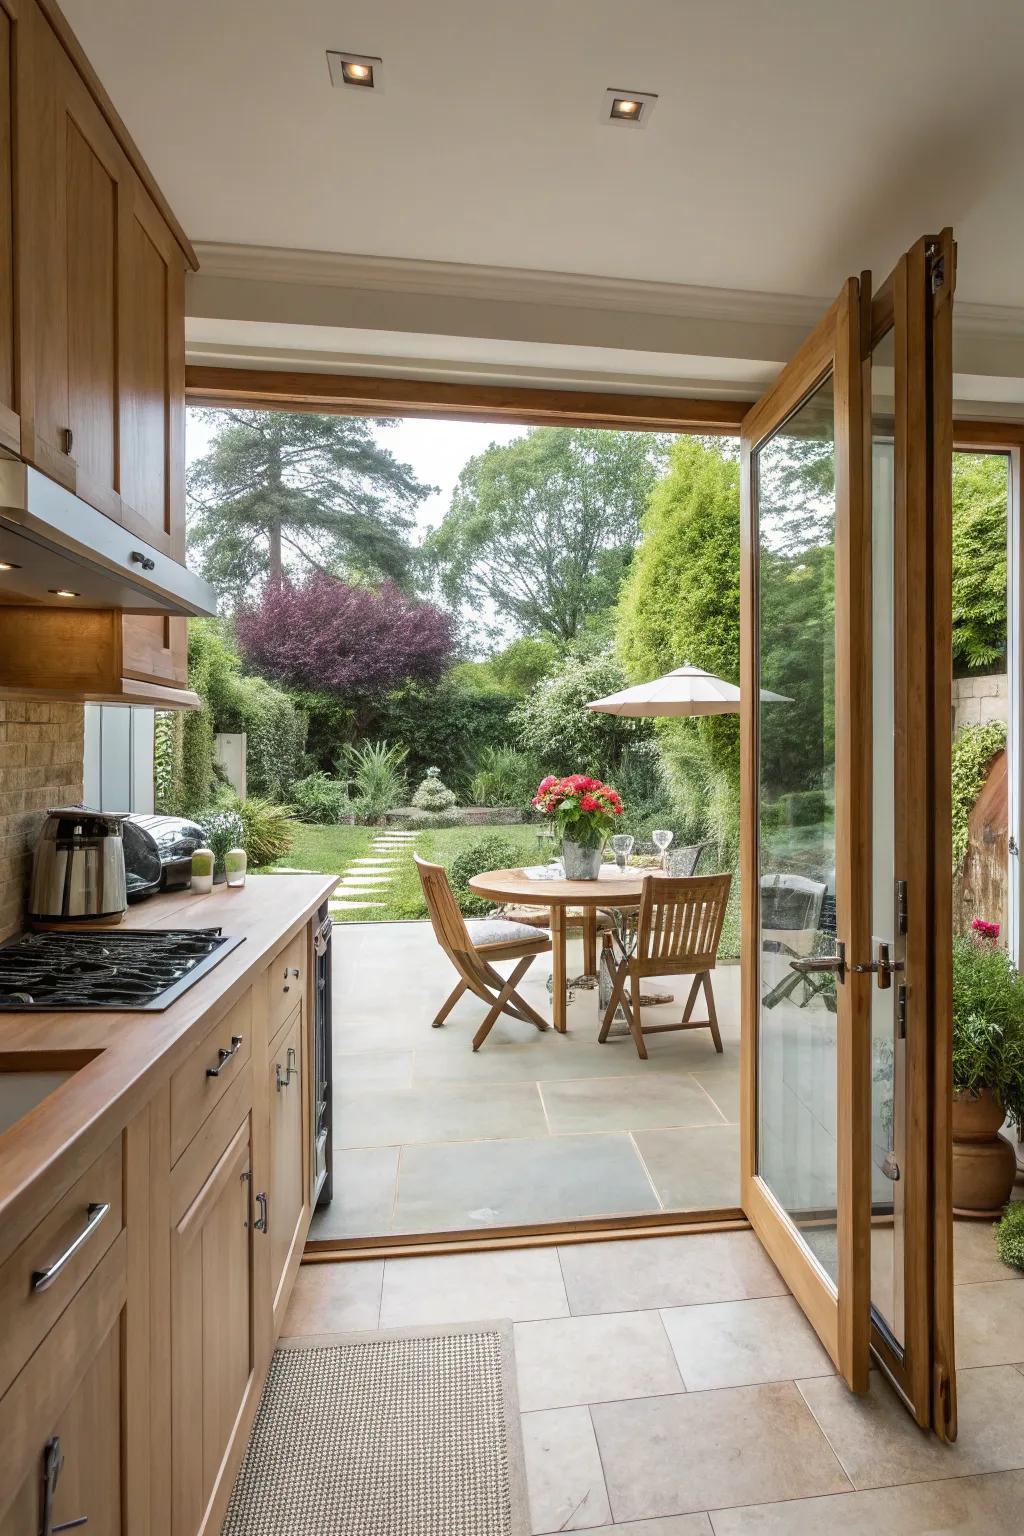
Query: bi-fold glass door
[(845, 859)]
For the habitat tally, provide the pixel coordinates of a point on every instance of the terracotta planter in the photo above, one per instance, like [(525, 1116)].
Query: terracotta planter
[(984, 1163)]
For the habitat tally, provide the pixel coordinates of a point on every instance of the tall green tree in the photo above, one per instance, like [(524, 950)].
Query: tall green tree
[(980, 506), (540, 530), (278, 492)]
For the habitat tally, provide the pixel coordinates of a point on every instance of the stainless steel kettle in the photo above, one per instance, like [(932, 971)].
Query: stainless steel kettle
[(78, 867)]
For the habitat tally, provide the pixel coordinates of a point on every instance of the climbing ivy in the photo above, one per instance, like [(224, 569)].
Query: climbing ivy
[(974, 747)]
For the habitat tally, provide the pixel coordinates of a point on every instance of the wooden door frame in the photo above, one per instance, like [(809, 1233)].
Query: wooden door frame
[(838, 1313)]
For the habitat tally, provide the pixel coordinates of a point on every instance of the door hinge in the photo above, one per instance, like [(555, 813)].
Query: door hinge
[(901, 1011), (937, 268), (901, 906)]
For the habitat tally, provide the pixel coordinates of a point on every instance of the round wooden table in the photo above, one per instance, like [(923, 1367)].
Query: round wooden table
[(615, 888)]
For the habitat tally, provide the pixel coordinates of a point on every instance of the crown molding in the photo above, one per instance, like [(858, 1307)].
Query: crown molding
[(572, 290)]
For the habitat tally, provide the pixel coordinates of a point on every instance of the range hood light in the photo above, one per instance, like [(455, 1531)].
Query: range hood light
[(63, 592), (9, 565)]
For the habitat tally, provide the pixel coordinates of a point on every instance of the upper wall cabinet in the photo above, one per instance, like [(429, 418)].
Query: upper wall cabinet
[(10, 425), (92, 289)]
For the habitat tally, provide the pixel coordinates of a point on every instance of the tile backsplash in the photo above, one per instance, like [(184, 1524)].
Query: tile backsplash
[(41, 751)]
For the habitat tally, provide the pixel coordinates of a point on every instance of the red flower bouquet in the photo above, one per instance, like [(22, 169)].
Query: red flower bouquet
[(582, 809)]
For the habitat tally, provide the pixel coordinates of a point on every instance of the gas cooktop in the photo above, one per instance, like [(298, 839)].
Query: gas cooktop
[(124, 971)]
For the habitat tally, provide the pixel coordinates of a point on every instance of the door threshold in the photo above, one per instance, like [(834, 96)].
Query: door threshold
[(539, 1235)]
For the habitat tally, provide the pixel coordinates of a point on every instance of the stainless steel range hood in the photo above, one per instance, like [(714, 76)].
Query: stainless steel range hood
[(54, 540)]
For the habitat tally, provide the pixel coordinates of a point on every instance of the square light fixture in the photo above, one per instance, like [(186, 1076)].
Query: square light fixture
[(632, 108), (358, 69)]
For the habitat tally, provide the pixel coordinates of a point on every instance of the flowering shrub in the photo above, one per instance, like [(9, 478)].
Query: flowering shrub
[(433, 794), (985, 930), (582, 809)]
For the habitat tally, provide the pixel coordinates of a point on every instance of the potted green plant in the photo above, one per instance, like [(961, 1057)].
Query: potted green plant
[(988, 1070), (583, 812)]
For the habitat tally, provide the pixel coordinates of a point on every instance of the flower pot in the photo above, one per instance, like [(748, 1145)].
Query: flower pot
[(984, 1163), (582, 861)]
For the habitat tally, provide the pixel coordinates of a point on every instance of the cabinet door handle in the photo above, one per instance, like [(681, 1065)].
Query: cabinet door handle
[(224, 1056), (41, 1278), (285, 1075), (67, 440), (262, 1222)]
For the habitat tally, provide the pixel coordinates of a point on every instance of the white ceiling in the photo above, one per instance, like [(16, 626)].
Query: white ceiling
[(793, 141)]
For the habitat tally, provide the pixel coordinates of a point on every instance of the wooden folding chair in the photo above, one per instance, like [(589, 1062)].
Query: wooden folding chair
[(677, 933), (474, 957)]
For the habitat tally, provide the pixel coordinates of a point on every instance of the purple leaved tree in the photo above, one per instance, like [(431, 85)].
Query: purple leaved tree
[(326, 634)]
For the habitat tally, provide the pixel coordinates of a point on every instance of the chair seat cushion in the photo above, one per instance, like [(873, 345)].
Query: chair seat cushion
[(573, 917), (499, 930)]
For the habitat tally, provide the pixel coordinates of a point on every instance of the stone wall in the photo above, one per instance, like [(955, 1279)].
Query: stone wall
[(977, 700), (41, 753)]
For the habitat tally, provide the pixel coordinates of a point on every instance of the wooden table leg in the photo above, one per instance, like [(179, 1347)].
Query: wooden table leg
[(589, 941), (558, 968)]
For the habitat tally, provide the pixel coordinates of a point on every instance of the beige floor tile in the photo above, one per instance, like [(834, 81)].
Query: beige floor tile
[(568, 1361), (705, 1450), (374, 1068), (335, 1298), (671, 1525), (364, 1195), (627, 1104), (961, 1506), (975, 1258), (472, 1184), (667, 1272), (989, 1323), (521, 1284), (879, 1444), (724, 1087), (563, 1471), (740, 1343), (379, 1117), (694, 1169)]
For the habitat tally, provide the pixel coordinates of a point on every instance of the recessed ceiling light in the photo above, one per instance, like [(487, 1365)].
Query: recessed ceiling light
[(62, 592), (359, 69), (9, 565), (630, 107)]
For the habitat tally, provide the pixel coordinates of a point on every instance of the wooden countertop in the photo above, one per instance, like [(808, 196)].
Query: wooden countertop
[(130, 1055)]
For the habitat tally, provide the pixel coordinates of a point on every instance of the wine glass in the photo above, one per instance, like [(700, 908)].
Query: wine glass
[(661, 840), (622, 844)]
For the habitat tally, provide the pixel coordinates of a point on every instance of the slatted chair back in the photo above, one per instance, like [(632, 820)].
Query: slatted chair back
[(680, 923), (445, 915)]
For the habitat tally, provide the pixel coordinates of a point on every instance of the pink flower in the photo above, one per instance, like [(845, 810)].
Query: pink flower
[(985, 930)]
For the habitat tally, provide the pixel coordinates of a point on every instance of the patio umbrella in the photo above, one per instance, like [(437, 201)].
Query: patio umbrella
[(686, 691)]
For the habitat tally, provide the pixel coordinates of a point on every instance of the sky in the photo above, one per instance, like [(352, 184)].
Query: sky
[(436, 451)]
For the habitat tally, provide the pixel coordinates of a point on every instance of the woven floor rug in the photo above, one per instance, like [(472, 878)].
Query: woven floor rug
[(411, 1432)]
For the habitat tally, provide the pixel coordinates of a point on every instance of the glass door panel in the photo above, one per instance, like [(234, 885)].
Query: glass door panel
[(794, 472)]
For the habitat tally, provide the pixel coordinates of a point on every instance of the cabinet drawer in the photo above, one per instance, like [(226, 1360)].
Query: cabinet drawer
[(287, 982), (77, 1230), (202, 1081)]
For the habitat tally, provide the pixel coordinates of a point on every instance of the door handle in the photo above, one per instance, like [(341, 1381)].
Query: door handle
[(884, 967), (811, 964), (284, 1075), (53, 1462)]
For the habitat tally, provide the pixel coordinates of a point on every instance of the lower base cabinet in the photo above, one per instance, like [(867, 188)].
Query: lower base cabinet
[(213, 1327)]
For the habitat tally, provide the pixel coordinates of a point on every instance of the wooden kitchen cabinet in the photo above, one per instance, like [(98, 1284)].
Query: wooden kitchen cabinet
[(214, 1327), (289, 1172), (10, 423)]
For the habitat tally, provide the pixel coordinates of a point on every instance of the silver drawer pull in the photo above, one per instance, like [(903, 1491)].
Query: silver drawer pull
[(41, 1278), (224, 1056)]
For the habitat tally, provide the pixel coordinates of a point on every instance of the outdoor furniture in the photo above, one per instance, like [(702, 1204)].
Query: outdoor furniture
[(473, 948), (615, 889), (792, 919), (683, 859), (677, 934)]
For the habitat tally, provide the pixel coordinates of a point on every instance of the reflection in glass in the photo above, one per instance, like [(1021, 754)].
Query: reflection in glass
[(794, 475)]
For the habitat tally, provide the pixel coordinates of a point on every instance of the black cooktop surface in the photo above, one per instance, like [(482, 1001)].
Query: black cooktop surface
[(134, 969)]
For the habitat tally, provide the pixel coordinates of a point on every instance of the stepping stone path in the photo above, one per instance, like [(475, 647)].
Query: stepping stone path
[(370, 875)]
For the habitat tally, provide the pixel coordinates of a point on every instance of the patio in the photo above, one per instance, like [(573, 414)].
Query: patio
[(430, 1137)]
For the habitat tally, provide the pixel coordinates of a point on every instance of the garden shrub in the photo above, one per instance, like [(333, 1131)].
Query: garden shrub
[(448, 726), (554, 725), (505, 776), (974, 747), (988, 1022), (433, 794), (320, 799), (266, 829), (493, 852), (377, 772), (1010, 1235), (804, 808)]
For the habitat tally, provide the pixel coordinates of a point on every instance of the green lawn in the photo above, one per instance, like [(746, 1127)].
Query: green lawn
[(331, 850)]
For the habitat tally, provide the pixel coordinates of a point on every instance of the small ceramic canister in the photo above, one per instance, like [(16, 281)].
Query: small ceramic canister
[(234, 866), (202, 871)]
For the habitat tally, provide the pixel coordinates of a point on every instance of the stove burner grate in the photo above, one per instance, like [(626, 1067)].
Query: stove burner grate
[(132, 970)]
